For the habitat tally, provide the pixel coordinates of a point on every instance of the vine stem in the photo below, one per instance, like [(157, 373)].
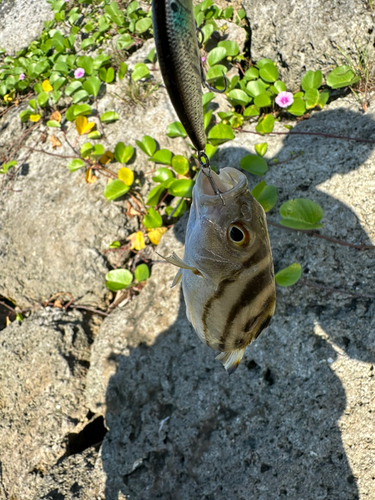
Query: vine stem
[(335, 290), (319, 134), (323, 237), (47, 153)]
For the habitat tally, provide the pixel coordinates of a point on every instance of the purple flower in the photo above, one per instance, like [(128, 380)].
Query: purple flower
[(284, 99), (79, 73), (22, 76)]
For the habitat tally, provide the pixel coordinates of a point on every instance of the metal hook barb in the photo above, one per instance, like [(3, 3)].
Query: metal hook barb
[(206, 164), (213, 89)]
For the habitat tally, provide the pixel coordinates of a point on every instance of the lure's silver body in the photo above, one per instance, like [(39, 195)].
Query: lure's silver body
[(178, 54)]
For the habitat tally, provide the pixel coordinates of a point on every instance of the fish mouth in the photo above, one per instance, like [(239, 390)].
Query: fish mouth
[(229, 181)]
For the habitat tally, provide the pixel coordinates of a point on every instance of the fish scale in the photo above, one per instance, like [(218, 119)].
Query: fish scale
[(178, 54)]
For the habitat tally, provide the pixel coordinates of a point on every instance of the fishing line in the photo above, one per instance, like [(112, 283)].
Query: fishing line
[(206, 164)]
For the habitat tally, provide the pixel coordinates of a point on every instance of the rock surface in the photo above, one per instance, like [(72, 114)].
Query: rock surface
[(21, 22), (303, 35)]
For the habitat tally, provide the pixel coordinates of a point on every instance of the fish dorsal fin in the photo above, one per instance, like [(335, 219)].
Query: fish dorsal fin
[(177, 261)]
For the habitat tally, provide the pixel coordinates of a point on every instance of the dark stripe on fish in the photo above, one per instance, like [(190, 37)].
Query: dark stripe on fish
[(250, 292)]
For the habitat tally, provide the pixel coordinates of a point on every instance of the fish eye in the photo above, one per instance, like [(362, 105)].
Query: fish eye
[(238, 234)]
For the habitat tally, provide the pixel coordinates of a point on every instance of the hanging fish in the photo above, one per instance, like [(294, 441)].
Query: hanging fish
[(178, 54), (227, 270)]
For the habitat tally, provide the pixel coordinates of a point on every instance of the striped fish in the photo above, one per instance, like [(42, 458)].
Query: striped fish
[(178, 54), (227, 270)]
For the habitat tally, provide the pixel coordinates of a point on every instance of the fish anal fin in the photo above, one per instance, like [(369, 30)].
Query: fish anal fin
[(231, 360), (177, 278)]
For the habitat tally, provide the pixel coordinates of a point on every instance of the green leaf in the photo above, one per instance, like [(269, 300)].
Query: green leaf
[(289, 276), (298, 108), (162, 174), (207, 30), (256, 87), (261, 149), (265, 195), (140, 71), (80, 96), (114, 244), (122, 71), (77, 110), (311, 80), (74, 165), (154, 195), (86, 63), (55, 96), (148, 145), (252, 74), (43, 99), (72, 87), (176, 129), (32, 104), (118, 279), (269, 73), (210, 150), (323, 98), (143, 25), (216, 72), (109, 116), (124, 42), (220, 133), (254, 164), (340, 77), (279, 86), (123, 153), (231, 48), (163, 156), (92, 85), (251, 111), (239, 97), (263, 62), (59, 83), (262, 100), (86, 149), (114, 189), (207, 118), (180, 164), (53, 123), (132, 7), (265, 125), (152, 219), (207, 98), (301, 213), (98, 150), (141, 272), (100, 60), (87, 42), (216, 55), (311, 98), (181, 187), (179, 208), (95, 134)]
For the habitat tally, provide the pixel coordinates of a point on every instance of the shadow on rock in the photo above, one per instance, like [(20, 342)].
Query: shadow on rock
[(180, 428)]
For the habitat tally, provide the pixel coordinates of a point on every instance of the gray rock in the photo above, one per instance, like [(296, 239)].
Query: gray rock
[(303, 35), (43, 364), (295, 420), (21, 22)]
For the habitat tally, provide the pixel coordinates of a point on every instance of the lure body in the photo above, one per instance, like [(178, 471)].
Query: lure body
[(178, 54), (227, 269)]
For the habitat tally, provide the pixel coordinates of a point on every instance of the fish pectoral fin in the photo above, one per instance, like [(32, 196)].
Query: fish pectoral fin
[(177, 261), (231, 360), (177, 278)]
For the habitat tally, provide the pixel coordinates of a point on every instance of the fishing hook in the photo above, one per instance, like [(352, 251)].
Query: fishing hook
[(204, 81), (206, 164), (200, 42)]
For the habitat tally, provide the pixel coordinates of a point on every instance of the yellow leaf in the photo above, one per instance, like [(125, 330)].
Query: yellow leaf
[(155, 234), (126, 176), (8, 97), (137, 241), (34, 118), (7, 321), (106, 158), (82, 125), (90, 177), (55, 142), (55, 116), (46, 86)]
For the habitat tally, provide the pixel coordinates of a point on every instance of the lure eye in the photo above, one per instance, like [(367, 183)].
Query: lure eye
[(174, 6), (238, 234)]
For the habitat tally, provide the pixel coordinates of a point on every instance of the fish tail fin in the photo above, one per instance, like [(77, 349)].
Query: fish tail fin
[(231, 360)]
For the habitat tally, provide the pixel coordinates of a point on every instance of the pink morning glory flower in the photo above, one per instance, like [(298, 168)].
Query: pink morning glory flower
[(22, 76), (79, 73), (284, 99)]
